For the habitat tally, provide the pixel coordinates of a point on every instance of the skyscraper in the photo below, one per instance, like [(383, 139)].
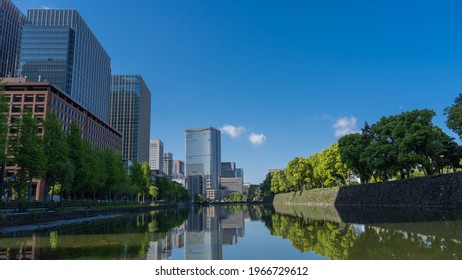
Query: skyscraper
[(58, 47), (178, 168), (203, 155), (168, 164), (11, 25), (156, 154), (131, 115)]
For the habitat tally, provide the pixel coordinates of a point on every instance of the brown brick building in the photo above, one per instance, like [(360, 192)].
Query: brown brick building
[(43, 98)]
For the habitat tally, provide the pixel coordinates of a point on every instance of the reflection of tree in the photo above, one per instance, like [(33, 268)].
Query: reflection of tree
[(54, 239), (124, 237), (324, 238), (342, 241)]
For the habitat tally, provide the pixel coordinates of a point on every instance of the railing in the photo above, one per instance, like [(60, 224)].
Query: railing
[(19, 206)]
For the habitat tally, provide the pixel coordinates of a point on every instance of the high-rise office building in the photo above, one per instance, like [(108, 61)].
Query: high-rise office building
[(156, 154), (58, 47), (228, 169), (11, 24), (130, 113), (168, 164), (178, 168), (203, 155)]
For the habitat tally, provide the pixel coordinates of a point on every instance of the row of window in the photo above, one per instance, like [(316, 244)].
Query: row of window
[(67, 109), (35, 109), (28, 98)]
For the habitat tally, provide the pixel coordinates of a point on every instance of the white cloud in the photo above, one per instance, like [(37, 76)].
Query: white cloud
[(257, 139), (232, 131), (345, 125)]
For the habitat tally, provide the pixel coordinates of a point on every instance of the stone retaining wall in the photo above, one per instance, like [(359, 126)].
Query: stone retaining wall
[(434, 191)]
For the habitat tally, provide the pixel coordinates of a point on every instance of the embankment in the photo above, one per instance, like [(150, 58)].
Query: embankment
[(434, 191), (28, 218)]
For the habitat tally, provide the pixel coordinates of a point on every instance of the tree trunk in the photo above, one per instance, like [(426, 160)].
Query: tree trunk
[(29, 192)]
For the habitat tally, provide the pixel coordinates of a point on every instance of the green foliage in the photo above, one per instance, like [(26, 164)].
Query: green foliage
[(235, 197), (454, 116), (28, 153), (55, 147), (352, 148), (324, 169), (171, 191), (255, 193), (4, 107)]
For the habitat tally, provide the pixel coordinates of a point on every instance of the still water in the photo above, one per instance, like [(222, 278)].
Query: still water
[(253, 232)]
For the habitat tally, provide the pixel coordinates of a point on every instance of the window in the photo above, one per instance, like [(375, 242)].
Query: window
[(29, 98), (40, 98), (17, 98), (16, 109), (39, 109)]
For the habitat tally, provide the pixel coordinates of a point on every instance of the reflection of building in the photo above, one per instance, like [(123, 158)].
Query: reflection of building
[(232, 227), (203, 155), (203, 237), (156, 154), (209, 229), (161, 249), (58, 47), (130, 113), (11, 24)]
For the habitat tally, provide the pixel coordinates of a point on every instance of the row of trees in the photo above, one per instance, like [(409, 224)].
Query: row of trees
[(324, 169), (70, 165), (395, 147), (81, 170)]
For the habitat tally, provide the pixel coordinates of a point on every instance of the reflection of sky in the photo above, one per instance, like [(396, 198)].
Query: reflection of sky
[(258, 244)]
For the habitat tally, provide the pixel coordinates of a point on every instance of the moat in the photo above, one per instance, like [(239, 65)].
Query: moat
[(253, 232)]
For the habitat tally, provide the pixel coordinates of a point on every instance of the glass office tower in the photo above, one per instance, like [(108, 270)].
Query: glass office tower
[(130, 114), (58, 47), (203, 155), (11, 24)]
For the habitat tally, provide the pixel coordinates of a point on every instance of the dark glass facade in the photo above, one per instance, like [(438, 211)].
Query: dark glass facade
[(130, 113), (11, 25), (59, 47), (47, 55), (203, 155)]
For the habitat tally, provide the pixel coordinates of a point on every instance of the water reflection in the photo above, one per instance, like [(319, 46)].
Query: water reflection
[(208, 233), (358, 234)]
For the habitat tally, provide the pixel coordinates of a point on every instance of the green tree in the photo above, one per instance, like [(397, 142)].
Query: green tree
[(76, 157), (64, 171), (55, 147), (454, 116), (117, 183), (153, 192), (297, 173), (147, 179), (4, 107), (28, 153), (265, 186), (255, 193), (352, 149), (279, 183), (137, 179)]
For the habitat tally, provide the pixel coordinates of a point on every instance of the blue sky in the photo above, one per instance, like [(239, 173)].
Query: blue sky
[(292, 76)]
